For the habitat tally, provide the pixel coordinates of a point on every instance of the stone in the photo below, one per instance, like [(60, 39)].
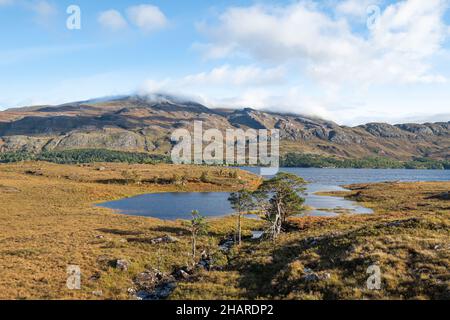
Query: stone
[(312, 277), (325, 276), (165, 239), (97, 293), (95, 277), (122, 265), (181, 274), (153, 284)]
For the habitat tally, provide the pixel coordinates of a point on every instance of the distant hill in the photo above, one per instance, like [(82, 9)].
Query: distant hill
[(144, 124)]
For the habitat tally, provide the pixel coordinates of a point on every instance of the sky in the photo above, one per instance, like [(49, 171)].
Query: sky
[(350, 61)]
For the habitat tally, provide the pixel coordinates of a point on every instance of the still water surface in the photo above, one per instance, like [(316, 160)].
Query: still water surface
[(171, 206)]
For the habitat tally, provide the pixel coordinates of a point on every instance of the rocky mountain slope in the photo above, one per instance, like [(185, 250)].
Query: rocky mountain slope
[(134, 123)]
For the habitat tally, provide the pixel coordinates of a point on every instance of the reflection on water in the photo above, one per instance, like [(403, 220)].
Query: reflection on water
[(326, 206), (171, 206)]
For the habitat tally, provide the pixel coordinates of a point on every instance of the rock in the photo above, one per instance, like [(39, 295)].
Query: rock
[(384, 130), (226, 244), (419, 129), (97, 293), (340, 137), (312, 241), (103, 138), (307, 270), (325, 276), (181, 274), (101, 169), (95, 277), (122, 265), (256, 235), (312, 277), (154, 285), (160, 293), (151, 278), (164, 291), (204, 264), (165, 239)]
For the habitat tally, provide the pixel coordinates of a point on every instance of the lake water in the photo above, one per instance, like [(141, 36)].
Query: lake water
[(171, 206)]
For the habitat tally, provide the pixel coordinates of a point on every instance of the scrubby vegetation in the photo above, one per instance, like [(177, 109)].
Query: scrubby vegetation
[(316, 161)]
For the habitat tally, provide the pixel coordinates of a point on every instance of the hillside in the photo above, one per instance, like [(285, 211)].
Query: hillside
[(144, 124)]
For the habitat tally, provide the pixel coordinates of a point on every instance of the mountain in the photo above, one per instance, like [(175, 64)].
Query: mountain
[(144, 123)]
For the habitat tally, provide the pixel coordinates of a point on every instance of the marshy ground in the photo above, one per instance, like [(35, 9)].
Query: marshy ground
[(48, 221)]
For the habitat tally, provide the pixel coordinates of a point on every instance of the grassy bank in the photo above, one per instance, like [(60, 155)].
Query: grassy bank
[(48, 221)]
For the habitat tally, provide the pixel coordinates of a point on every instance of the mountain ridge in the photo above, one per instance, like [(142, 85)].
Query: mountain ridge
[(144, 123)]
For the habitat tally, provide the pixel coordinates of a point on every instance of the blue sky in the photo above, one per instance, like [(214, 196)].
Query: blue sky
[(351, 61)]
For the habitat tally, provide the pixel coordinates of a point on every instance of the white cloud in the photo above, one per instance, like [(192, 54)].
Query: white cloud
[(355, 8), (398, 50), (44, 11), (147, 17), (237, 76), (112, 19), (224, 80)]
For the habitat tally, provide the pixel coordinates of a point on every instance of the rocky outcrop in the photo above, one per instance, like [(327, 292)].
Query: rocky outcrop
[(153, 284), (415, 128), (109, 138), (246, 118), (384, 130), (23, 143)]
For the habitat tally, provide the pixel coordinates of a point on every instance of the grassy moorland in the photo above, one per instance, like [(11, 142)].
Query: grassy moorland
[(327, 258), (48, 221)]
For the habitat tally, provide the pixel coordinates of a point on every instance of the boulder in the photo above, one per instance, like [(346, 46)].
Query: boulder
[(121, 264), (165, 239), (153, 284)]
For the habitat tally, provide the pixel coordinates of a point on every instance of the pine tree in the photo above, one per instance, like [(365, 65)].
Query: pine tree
[(241, 202)]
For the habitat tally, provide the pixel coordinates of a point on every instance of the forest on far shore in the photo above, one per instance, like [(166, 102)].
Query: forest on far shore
[(289, 160)]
